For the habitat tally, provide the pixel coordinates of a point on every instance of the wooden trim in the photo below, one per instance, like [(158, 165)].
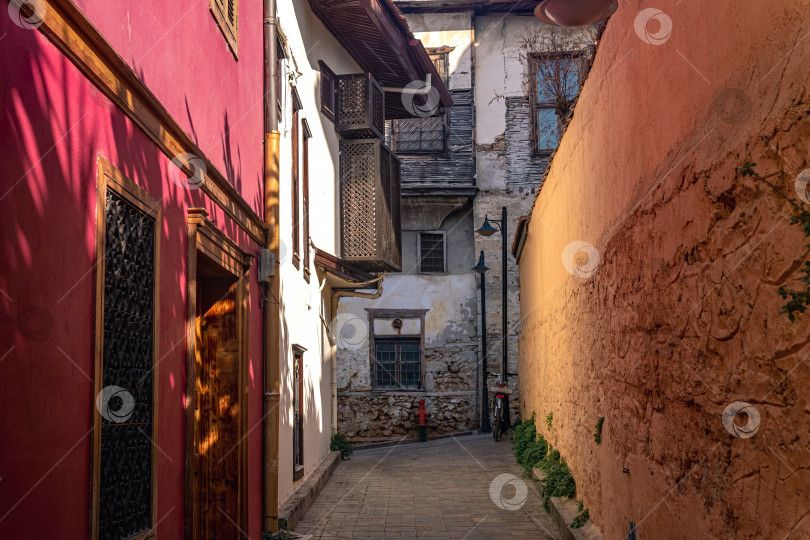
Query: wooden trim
[(305, 194), (296, 191), (229, 31), (204, 237), (112, 178), (401, 313), (298, 353), (81, 42), (327, 86)]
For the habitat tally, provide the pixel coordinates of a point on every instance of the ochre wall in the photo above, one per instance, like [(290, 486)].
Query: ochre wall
[(681, 318)]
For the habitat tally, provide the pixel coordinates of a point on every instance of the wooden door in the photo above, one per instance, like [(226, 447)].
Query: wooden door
[(217, 457)]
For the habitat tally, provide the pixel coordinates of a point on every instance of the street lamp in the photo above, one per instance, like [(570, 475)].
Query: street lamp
[(481, 269), (488, 230), (574, 13)]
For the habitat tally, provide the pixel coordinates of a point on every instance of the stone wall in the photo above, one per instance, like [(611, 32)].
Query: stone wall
[(451, 346), (680, 319)]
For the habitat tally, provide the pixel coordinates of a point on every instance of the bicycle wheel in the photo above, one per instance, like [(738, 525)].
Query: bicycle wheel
[(498, 420)]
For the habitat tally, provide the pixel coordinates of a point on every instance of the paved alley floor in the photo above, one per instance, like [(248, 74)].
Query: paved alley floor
[(466, 488)]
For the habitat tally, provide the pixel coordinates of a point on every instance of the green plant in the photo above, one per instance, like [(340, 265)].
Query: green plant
[(597, 435), (558, 480), (549, 420), (529, 447), (280, 535), (581, 519), (799, 299), (525, 433), (341, 444)]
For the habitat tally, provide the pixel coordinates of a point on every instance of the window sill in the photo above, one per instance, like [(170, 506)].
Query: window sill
[(298, 472)]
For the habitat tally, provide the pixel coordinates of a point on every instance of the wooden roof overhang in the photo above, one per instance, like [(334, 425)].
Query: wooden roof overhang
[(481, 7), (342, 274), (378, 38)]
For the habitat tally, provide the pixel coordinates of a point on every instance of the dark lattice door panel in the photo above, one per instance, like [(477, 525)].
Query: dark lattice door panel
[(125, 491), (370, 205), (360, 107)]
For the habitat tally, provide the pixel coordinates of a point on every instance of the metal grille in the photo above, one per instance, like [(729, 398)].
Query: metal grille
[(360, 107), (358, 195), (397, 364), (419, 135), (431, 256), (125, 493)]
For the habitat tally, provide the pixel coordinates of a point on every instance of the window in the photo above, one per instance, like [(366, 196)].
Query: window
[(298, 411), (555, 83), (327, 91), (226, 13), (305, 162), (424, 135), (432, 252), (125, 352), (397, 364), (296, 235)]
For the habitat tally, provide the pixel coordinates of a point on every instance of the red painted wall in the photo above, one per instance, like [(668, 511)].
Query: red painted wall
[(54, 125)]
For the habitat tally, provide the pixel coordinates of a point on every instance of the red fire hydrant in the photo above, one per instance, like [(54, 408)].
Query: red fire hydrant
[(422, 415)]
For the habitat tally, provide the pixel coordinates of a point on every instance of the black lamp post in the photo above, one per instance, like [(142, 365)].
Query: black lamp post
[(488, 230), (480, 268)]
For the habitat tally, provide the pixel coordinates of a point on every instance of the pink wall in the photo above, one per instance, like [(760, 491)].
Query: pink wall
[(179, 52), (54, 125)]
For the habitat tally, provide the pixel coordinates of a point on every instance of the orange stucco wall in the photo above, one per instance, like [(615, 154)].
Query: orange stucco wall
[(681, 317)]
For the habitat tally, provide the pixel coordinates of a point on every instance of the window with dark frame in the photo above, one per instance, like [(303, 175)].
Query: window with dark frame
[(397, 364), (432, 252), (555, 81), (305, 181), (298, 431), (327, 91), (424, 135), (296, 233)]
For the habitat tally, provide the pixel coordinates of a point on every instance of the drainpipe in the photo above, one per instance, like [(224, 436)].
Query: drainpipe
[(272, 326), (336, 295)]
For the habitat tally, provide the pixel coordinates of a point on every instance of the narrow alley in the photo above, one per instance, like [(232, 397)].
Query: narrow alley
[(450, 488)]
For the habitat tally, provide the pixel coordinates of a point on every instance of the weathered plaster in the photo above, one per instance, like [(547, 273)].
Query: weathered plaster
[(682, 316)]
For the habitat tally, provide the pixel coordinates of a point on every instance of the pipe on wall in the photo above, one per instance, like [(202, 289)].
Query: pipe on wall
[(272, 320)]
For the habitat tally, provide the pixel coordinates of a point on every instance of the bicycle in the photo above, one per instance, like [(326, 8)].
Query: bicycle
[(499, 393)]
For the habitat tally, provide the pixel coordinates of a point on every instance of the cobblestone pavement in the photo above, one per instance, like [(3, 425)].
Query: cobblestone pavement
[(438, 489)]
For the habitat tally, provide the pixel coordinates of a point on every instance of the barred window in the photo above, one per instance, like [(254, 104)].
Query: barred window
[(397, 364), (432, 252)]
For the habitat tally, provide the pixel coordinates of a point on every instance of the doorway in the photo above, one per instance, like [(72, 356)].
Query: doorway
[(216, 384), (218, 401)]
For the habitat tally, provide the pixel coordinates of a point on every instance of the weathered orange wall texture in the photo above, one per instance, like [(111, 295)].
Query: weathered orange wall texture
[(680, 319)]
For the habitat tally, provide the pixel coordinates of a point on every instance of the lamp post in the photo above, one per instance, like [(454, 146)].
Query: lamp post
[(488, 230), (481, 269)]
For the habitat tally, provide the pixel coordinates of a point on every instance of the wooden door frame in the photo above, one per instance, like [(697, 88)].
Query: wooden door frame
[(110, 177), (205, 237)]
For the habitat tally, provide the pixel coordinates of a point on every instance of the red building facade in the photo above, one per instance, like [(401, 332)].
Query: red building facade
[(132, 339)]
